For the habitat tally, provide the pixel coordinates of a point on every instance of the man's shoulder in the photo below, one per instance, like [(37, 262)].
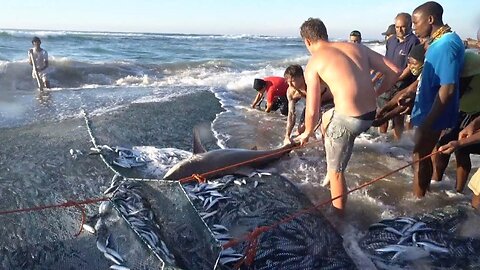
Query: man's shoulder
[(451, 38), (448, 42), (412, 37), (391, 42), (412, 40)]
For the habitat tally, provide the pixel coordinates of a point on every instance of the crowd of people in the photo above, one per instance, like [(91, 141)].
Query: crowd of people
[(425, 74)]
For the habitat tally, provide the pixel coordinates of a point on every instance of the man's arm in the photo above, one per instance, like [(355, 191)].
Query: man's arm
[(405, 73), (383, 65), (313, 102), (469, 135), (30, 55), (270, 92), (257, 99), (291, 118), (269, 106), (45, 60), (445, 94)]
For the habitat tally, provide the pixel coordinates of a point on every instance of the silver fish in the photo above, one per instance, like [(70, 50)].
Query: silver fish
[(87, 227), (119, 267), (430, 247)]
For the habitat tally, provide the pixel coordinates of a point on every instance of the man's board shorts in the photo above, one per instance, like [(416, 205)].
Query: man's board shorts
[(340, 135), (474, 183), (281, 103), (464, 120)]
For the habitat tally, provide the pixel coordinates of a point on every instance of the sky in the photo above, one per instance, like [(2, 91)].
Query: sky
[(234, 17)]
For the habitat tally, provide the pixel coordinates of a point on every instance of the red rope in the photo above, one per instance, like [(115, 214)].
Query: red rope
[(77, 204)]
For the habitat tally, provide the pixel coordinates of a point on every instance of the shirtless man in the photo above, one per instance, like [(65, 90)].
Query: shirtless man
[(297, 89), (345, 68)]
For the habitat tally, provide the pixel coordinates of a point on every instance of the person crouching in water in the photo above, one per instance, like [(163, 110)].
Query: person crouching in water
[(40, 57), (297, 89), (276, 89)]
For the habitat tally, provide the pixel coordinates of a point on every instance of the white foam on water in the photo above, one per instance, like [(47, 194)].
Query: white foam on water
[(11, 110)]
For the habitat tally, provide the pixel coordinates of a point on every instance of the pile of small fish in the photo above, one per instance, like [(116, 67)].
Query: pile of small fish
[(105, 241), (405, 240), (232, 204), (208, 195), (121, 156), (107, 246), (128, 200)]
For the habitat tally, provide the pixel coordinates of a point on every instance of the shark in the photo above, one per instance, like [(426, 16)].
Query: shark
[(221, 162)]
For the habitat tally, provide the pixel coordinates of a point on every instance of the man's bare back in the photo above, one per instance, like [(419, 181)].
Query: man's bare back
[(345, 68)]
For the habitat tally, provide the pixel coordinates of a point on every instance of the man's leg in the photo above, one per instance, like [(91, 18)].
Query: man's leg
[(338, 187), (422, 171), (464, 166), (383, 128), (45, 81), (276, 104), (476, 201), (398, 126), (440, 163)]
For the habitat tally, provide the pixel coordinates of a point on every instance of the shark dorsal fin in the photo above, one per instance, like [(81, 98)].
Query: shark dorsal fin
[(197, 143)]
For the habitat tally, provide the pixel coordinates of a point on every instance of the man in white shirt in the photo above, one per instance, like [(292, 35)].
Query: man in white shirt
[(39, 57)]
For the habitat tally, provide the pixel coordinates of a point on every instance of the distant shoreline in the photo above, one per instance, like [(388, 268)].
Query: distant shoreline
[(64, 32)]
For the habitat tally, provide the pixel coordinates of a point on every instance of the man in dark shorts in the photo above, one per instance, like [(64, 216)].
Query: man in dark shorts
[(276, 90)]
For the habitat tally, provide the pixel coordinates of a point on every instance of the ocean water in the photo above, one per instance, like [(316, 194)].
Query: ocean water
[(145, 89)]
